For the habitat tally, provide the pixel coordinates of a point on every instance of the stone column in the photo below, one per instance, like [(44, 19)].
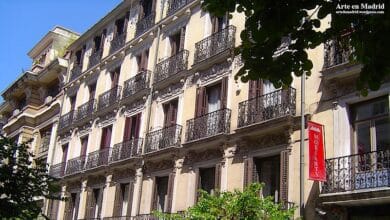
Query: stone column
[(177, 170), (137, 191), (83, 199), (108, 197), (61, 207)]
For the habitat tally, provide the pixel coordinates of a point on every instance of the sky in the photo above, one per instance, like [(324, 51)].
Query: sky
[(24, 22)]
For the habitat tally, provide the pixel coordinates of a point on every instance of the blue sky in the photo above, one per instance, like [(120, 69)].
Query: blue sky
[(24, 22)]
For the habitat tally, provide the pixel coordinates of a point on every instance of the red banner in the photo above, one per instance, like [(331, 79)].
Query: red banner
[(316, 152)]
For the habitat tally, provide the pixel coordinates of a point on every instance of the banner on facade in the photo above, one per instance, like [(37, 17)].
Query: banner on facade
[(316, 152)]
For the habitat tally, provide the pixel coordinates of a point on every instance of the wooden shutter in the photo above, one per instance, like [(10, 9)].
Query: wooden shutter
[(118, 200), (214, 24), (90, 212), (130, 198), (154, 195), (201, 100), (197, 186), (68, 207), (224, 89), (173, 45), (248, 171), (218, 170), (84, 145), (137, 125), (173, 117), (255, 88), (182, 38), (108, 137), (64, 152), (127, 132), (115, 78), (100, 201), (284, 158), (76, 206), (171, 182), (143, 61)]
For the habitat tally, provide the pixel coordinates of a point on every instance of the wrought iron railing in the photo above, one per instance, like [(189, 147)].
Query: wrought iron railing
[(125, 150), (109, 98), (75, 165), (136, 83), (336, 52), (57, 170), (117, 43), (269, 106), (171, 66), (97, 158), (215, 44), (175, 5), (95, 58), (163, 138), (358, 171), (85, 110), (213, 123), (66, 120), (144, 24), (75, 72)]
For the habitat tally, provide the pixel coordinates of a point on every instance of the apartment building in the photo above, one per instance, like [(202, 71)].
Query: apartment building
[(32, 103), (151, 113)]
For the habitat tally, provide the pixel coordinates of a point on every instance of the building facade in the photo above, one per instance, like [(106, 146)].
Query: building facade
[(151, 113)]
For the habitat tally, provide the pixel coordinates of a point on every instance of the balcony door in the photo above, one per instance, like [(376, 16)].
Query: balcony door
[(218, 23), (64, 153), (84, 145), (132, 127), (170, 113), (123, 199), (177, 41), (209, 178), (106, 137), (142, 60), (92, 91), (147, 8), (115, 77)]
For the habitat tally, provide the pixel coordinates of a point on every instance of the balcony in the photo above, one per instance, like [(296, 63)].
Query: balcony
[(163, 138), (75, 165), (171, 66), (175, 5), (215, 44), (208, 125), (84, 112), (57, 170), (144, 24), (356, 172), (109, 99), (75, 72), (65, 121), (336, 53), (126, 150), (136, 84), (95, 58), (266, 107), (97, 158), (117, 43)]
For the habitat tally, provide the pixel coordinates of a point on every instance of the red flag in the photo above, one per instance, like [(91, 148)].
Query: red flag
[(316, 152)]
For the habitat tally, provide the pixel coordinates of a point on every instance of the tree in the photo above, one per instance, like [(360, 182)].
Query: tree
[(236, 205), (22, 180), (270, 22)]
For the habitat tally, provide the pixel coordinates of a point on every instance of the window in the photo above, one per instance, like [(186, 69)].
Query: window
[(115, 77), (371, 125), (161, 193), (267, 171), (106, 137), (64, 152), (72, 102), (22, 103), (132, 127), (207, 179), (97, 43), (123, 199), (142, 60), (121, 25), (80, 55), (147, 7), (94, 203), (92, 91), (84, 145), (170, 113), (218, 23), (71, 206), (211, 98), (177, 41)]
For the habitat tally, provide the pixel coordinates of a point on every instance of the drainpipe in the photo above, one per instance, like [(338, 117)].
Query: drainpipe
[(302, 148)]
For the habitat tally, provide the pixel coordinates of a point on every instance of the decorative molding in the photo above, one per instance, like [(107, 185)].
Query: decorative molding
[(169, 91), (150, 166), (74, 186), (138, 47), (134, 107), (174, 26), (195, 157), (114, 64), (119, 175), (96, 180), (106, 119), (214, 72), (84, 129), (72, 90)]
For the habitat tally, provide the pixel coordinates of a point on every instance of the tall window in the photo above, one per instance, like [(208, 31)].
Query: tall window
[(94, 203), (123, 199), (115, 77), (218, 23), (84, 145), (71, 206), (211, 98), (147, 7), (132, 126), (106, 137), (170, 113), (161, 192), (209, 178), (64, 152), (72, 102), (142, 60), (177, 41), (267, 171), (371, 125), (121, 25), (92, 91)]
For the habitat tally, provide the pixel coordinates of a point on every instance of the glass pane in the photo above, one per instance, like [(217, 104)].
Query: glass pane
[(382, 132), (363, 140)]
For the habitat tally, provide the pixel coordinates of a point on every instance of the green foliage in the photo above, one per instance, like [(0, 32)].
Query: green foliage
[(269, 22), (23, 180), (236, 205)]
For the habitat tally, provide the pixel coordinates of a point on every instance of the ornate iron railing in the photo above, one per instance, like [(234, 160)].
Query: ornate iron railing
[(57, 170), (75, 72), (97, 158), (358, 171), (65, 120), (175, 5), (163, 138), (144, 24), (136, 83), (217, 122), (269, 106), (117, 43), (109, 98), (336, 52), (75, 165), (126, 150), (171, 66), (215, 44), (95, 58), (85, 110)]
